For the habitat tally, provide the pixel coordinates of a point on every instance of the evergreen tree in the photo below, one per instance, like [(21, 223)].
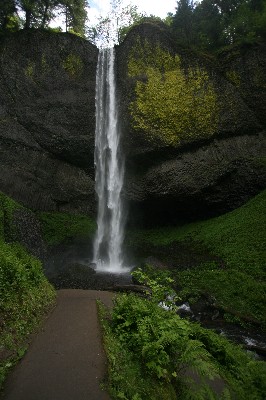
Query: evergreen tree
[(29, 7), (7, 13), (249, 22), (46, 11), (211, 24), (183, 22), (37, 13), (75, 15), (208, 25)]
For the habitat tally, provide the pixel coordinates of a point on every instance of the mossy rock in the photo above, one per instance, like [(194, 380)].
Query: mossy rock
[(172, 97)]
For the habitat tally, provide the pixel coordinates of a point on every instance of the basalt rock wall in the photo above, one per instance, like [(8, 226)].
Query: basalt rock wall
[(193, 127), (47, 119)]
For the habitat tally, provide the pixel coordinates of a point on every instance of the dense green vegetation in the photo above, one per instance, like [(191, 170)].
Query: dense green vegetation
[(61, 227), (15, 14), (235, 274), (154, 354), (212, 24), (25, 294), (207, 25)]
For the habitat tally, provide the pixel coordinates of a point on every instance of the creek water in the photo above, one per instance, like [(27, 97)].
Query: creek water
[(109, 165)]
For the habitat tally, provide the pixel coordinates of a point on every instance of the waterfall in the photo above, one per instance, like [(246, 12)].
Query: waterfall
[(109, 169)]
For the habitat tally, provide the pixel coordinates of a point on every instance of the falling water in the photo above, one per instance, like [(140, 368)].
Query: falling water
[(109, 169)]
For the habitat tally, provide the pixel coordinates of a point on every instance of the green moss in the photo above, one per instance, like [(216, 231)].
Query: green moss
[(30, 69), (237, 236), (60, 227), (233, 77), (259, 78), (237, 239), (44, 64), (171, 105), (7, 208), (260, 161), (73, 65)]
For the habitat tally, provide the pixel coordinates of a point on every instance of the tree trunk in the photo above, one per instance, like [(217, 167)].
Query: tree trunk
[(45, 14), (28, 19)]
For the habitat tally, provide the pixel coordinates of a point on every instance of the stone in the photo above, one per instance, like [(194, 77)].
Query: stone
[(178, 173), (47, 120), (211, 164)]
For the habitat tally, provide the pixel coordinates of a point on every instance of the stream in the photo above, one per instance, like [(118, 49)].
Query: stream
[(69, 267)]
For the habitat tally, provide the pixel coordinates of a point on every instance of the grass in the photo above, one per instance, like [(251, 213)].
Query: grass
[(62, 227), (237, 239), (25, 294)]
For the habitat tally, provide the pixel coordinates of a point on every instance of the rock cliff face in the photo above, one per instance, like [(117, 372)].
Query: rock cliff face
[(194, 139), (47, 118), (193, 129)]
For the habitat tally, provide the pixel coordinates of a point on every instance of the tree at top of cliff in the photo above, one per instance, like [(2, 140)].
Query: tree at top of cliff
[(211, 24), (75, 15), (36, 13), (183, 21), (8, 18), (39, 14)]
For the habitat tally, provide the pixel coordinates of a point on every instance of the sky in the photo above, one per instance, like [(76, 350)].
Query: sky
[(159, 8)]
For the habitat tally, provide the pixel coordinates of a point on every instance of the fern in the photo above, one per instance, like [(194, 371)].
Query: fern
[(181, 354)]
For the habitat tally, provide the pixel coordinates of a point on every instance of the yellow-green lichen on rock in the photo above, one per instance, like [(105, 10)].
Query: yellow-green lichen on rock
[(73, 65), (233, 77), (30, 69), (171, 104), (44, 64)]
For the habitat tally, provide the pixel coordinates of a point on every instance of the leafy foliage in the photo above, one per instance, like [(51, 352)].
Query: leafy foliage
[(7, 18), (173, 354), (25, 294), (75, 15), (160, 285), (212, 24), (38, 14), (237, 239), (7, 207)]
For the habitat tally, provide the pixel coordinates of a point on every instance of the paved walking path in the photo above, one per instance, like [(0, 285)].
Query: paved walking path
[(66, 360)]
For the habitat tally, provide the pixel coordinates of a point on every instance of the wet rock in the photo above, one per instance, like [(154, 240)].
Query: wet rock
[(28, 232), (155, 263), (184, 310), (130, 289), (215, 315)]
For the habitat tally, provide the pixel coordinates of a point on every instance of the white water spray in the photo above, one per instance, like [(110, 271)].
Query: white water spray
[(109, 169)]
